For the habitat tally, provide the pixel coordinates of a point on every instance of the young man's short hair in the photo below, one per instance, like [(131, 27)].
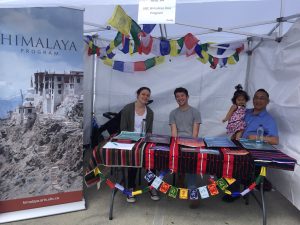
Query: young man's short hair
[(181, 90)]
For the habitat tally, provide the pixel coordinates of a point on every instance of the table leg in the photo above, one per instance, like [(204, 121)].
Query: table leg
[(113, 193), (261, 202)]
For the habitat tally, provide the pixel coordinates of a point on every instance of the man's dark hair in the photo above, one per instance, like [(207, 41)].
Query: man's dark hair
[(263, 90), (182, 90)]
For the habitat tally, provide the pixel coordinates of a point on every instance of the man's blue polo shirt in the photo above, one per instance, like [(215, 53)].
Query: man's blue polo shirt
[(263, 118)]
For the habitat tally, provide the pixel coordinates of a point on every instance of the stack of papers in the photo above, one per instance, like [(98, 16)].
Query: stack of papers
[(126, 135), (191, 142), (118, 145), (219, 142), (161, 148), (251, 144), (158, 138)]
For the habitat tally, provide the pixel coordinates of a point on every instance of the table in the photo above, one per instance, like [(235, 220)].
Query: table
[(241, 167)]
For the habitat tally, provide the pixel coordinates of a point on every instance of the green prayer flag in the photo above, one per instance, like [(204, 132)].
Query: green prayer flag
[(146, 189), (180, 43), (118, 39), (210, 59), (236, 56), (134, 31), (173, 192), (150, 63), (204, 47), (222, 184), (258, 180)]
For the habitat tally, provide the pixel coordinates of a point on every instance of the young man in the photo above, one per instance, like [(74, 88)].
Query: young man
[(185, 121)]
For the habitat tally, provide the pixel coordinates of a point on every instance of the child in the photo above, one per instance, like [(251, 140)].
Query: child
[(236, 113)]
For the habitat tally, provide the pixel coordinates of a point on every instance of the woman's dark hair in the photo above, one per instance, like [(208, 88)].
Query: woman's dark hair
[(142, 88), (239, 92), (181, 90)]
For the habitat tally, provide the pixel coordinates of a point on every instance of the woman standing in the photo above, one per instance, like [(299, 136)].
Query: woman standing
[(132, 116)]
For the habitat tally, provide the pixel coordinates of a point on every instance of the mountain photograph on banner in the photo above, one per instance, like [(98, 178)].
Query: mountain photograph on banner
[(41, 97)]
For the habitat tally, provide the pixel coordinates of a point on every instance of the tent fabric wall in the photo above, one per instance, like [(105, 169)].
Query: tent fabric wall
[(275, 67), (210, 90)]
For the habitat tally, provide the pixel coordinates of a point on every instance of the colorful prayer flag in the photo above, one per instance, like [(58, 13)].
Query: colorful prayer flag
[(148, 28), (164, 187), (173, 192), (213, 189), (222, 184), (120, 20), (183, 193), (119, 187), (134, 193), (194, 194), (203, 192), (173, 48), (118, 65), (263, 171), (139, 66), (150, 63), (110, 184), (157, 181), (230, 180), (149, 176), (159, 60)]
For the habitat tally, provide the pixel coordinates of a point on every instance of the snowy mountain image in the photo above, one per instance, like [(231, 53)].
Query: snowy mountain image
[(41, 141)]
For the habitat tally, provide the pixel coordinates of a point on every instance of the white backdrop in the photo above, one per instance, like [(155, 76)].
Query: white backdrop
[(276, 67), (210, 90)]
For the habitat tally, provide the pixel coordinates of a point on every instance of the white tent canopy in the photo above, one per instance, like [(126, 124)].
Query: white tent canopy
[(244, 16), (274, 66)]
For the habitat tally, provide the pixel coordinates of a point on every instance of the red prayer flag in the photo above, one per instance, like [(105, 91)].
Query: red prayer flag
[(139, 66)]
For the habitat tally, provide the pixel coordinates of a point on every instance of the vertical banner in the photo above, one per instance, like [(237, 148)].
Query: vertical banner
[(41, 99)]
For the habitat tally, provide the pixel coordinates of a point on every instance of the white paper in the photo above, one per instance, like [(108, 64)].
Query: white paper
[(117, 145), (157, 12)]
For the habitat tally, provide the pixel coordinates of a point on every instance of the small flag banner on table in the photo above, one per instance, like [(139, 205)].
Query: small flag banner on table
[(203, 192)]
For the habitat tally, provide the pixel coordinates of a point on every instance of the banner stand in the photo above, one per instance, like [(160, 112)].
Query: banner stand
[(43, 211)]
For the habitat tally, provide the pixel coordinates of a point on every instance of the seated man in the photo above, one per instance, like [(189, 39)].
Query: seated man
[(185, 122), (255, 117), (259, 116)]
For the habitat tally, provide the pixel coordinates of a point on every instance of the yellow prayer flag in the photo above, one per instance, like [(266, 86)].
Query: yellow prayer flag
[(183, 193), (227, 192), (91, 44), (174, 50), (136, 192), (111, 47), (96, 171), (120, 20), (263, 171), (231, 60), (159, 60), (230, 180), (108, 61), (205, 57)]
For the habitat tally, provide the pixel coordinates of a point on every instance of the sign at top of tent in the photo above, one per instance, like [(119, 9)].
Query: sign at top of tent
[(156, 11)]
